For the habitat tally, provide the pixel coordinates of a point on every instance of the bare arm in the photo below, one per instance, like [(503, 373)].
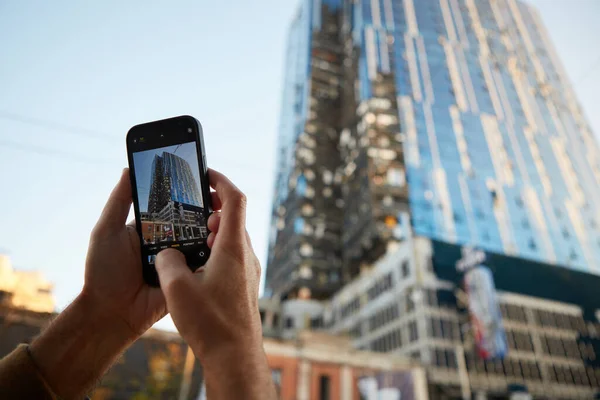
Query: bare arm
[(79, 347), (216, 309), (113, 309)]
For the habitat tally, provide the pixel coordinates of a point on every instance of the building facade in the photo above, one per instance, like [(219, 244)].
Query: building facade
[(411, 303), (496, 150), (456, 127), (320, 366), (458, 111), (175, 207), (305, 253), (26, 290), (172, 180)]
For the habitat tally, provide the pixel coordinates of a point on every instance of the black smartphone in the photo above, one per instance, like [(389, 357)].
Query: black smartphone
[(171, 193)]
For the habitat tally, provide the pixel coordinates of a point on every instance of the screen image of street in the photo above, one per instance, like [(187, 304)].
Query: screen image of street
[(170, 194)]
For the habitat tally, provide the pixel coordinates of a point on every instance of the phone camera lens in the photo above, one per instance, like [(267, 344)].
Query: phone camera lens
[(134, 140), (189, 130)]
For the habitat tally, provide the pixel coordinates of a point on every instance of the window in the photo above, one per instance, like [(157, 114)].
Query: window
[(573, 255), (404, 269), (301, 185), (410, 304), (451, 360), (413, 332), (381, 285), (439, 358), (350, 307), (383, 317), (430, 297), (316, 322), (298, 225), (532, 244), (519, 202), (289, 323), (334, 277), (324, 387)]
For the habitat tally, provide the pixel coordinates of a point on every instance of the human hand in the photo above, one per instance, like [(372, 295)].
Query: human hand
[(113, 270), (215, 308), (113, 309)]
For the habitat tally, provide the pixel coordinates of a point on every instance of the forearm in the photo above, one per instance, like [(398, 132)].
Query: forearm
[(79, 347), (237, 374)]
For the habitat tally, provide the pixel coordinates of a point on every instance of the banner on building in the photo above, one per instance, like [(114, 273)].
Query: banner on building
[(485, 315)]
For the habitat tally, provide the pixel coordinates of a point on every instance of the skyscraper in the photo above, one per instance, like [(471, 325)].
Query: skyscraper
[(172, 180), (305, 252), (452, 118), (457, 130), (174, 202)]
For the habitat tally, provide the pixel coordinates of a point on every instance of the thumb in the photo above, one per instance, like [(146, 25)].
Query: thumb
[(172, 269)]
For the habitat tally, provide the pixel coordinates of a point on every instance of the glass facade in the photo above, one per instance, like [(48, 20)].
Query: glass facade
[(453, 118), (498, 153), (172, 180)]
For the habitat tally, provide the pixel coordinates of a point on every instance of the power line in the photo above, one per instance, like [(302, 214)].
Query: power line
[(76, 131), (46, 151), (56, 126)]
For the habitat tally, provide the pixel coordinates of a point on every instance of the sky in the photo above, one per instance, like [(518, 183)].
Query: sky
[(75, 76), (143, 168)]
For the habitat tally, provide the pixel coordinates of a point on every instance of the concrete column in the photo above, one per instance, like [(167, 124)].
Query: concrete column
[(537, 344), (303, 390), (346, 383), (463, 374)]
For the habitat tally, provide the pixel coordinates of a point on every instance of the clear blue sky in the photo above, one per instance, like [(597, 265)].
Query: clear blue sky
[(105, 66), (143, 168)]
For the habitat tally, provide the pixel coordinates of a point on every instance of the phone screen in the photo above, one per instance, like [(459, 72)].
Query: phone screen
[(171, 210)]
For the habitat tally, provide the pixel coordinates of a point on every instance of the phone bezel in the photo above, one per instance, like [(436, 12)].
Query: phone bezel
[(174, 130)]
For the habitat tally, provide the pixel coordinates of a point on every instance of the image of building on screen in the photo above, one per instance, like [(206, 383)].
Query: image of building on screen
[(174, 210), (411, 131)]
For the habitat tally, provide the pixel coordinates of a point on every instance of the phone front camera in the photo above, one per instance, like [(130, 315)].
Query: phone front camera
[(189, 130)]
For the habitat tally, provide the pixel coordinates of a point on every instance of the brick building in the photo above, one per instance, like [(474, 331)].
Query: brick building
[(318, 366)]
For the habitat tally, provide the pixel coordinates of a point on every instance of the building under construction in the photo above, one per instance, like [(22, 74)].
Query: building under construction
[(408, 126)]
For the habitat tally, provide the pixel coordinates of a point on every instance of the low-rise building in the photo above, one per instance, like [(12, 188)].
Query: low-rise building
[(320, 366), (24, 289), (412, 304)]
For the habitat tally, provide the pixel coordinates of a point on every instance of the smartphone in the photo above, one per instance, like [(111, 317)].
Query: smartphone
[(171, 193)]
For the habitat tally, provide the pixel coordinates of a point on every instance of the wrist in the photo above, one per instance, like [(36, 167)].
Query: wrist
[(232, 370), (78, 347), (100, 317), (247, 344)]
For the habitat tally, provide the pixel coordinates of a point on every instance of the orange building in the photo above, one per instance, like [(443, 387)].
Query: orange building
[(318, 366)]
